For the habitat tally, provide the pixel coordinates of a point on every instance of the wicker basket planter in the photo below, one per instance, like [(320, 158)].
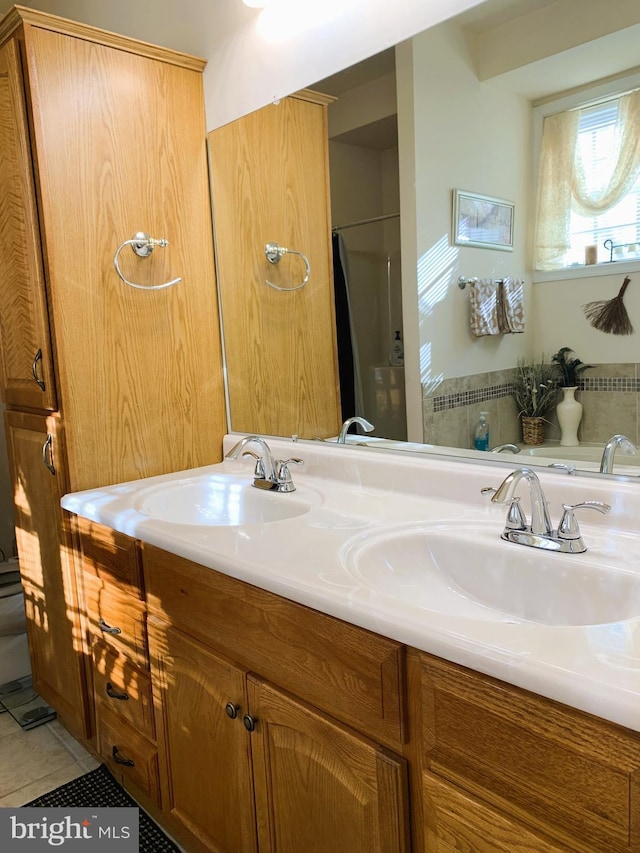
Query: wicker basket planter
[(532, 430)]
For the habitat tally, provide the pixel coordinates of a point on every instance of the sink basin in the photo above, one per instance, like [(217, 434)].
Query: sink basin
[(475, 574), (216, 500)]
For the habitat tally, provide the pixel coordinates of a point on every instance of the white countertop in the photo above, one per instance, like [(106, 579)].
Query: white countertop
[(355, 494)]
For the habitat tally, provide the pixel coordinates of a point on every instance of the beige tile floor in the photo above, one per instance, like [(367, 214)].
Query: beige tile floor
[(37, 761)]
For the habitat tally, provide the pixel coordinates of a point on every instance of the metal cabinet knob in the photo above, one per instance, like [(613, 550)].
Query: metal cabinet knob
[(249, 722), (232, 710)]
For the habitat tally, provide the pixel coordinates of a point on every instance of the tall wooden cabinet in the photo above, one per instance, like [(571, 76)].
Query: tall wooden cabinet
[(101, 137), (270, 178)]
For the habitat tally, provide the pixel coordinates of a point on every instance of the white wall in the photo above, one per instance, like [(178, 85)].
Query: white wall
[(255, 56), (471, 136), (560, 319)]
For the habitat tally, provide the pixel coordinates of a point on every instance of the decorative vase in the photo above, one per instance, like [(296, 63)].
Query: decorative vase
[(569, 412), (532, 430)]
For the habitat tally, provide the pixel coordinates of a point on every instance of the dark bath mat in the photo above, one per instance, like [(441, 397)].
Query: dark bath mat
[(99, 789)]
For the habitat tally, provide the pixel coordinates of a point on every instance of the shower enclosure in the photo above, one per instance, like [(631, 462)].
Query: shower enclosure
[(370, 262)]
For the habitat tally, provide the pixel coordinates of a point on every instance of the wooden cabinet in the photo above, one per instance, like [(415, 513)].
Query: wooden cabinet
[(264, 725), (520, 772), (103, 137), (27, 367), (282, 355), (116, 625), (205, 749), (319, 783), (45, 546)]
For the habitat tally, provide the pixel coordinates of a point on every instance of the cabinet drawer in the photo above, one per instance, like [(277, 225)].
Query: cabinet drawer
[(130, 757), (565, 772), (117, 619), (111, 556), (123, 688), (350, 673)]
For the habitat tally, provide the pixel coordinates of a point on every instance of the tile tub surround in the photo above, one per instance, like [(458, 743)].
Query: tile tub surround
[(609, 393), (354, 492)]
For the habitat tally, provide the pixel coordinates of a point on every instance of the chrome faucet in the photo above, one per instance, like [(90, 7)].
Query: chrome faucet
[(616, 441), (540, 533), (366, 426), (509, 448), (270, 474)]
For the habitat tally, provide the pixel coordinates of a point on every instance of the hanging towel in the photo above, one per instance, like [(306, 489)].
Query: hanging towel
[(511, 311), (483, 295)]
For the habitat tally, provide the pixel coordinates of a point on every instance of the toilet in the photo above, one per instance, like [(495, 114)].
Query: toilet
[(14, 651)]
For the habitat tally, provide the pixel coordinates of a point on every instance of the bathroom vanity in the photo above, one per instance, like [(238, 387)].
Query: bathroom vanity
[(305, 699)]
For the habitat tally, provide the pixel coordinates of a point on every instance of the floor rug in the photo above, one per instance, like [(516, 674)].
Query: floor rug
[(99, 789)]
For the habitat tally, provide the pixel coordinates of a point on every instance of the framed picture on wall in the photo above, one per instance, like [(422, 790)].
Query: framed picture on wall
[(482, 221)]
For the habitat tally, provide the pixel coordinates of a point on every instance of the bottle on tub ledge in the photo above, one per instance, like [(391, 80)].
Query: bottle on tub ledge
[(396, 354), (481, 434)]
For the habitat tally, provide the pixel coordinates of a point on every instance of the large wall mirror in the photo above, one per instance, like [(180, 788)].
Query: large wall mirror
[(458, 107)]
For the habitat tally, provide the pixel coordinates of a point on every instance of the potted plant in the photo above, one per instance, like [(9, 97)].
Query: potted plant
[(569, 410), (535, 390), (569, 369)]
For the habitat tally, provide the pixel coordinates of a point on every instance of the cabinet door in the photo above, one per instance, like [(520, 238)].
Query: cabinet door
[(27, 374), (128, 155), (45, 552), (204, 748), (320, 787)]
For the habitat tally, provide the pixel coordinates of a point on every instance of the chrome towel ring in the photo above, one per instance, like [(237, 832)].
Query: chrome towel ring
[(273, 253), (143, 246)]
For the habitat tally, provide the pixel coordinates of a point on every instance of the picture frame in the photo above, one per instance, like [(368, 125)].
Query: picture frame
[(482, 221)]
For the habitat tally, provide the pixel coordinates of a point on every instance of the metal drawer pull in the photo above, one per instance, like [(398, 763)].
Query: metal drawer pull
[(126, 761), (107, 629), (34, 368), (47, 453), (113, 694)]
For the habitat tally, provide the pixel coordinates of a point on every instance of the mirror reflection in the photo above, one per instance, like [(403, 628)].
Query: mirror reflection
[(459, 107)]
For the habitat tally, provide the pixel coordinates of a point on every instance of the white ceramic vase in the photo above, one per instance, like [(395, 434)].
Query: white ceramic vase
[(569, 411)]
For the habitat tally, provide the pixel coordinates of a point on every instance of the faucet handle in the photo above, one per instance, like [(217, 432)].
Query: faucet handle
[(568, 527), (259, 473), (515, 516), (283, 475)]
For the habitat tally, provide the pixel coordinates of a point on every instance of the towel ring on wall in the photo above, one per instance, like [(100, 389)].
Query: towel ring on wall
[(273, 253), (143, 246)]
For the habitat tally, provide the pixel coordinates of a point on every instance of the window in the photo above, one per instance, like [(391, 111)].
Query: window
[(589, 183)]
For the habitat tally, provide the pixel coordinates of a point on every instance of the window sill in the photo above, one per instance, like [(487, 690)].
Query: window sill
[(593, 270)]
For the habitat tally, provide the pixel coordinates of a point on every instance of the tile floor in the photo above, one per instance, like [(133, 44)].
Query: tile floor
[(37, 761)]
